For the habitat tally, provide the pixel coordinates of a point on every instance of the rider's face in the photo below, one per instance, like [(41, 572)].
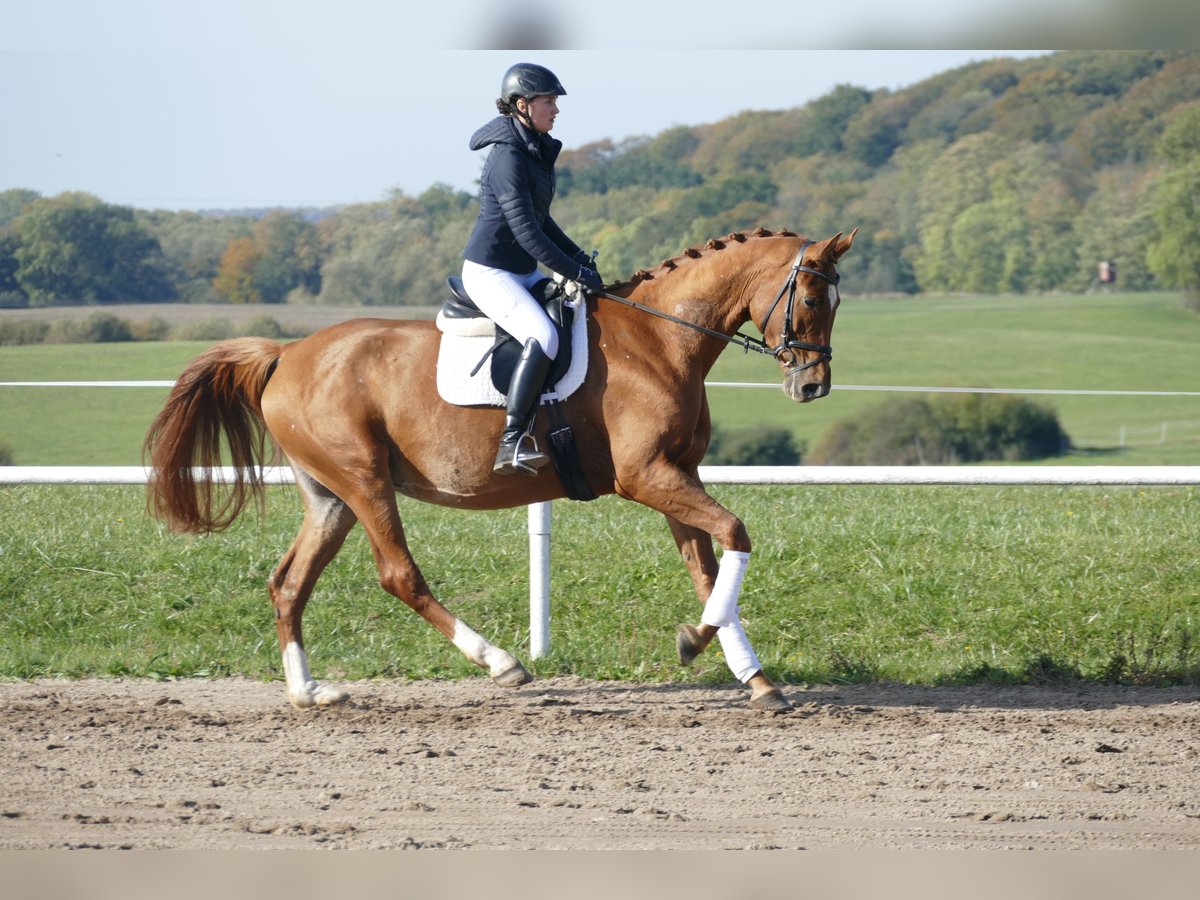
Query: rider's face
[(541, 111)]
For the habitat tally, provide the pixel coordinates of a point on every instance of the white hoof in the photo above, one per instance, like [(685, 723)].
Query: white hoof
[(314, 694)]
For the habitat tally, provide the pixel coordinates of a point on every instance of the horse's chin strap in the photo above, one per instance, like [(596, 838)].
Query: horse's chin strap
[(787, 339)]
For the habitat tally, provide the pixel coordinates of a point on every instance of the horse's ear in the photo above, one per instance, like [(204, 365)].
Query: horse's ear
[(840, 245), (826, 247)]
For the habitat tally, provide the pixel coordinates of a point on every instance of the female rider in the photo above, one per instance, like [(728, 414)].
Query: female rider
[(513, 233)]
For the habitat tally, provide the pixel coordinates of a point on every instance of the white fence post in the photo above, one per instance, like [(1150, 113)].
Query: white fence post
[(539, 579)]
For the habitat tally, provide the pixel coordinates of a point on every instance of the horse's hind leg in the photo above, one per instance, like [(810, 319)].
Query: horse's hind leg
[(327, 521), (696, 548), (374, 502)]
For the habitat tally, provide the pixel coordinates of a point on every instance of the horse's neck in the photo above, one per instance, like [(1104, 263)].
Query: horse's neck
[(714, 291), (634, 334)]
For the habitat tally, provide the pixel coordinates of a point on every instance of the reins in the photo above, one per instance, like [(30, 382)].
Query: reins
[(787, 339)]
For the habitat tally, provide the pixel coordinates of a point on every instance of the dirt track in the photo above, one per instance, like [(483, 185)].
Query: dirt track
[(574, 764)]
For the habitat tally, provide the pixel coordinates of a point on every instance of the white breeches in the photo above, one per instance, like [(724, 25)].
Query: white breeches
[(504, 297)]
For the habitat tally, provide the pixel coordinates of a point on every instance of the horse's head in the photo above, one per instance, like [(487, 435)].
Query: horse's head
[(804, 322)]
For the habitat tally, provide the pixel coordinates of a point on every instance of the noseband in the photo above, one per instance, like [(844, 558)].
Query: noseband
[(785, 350)]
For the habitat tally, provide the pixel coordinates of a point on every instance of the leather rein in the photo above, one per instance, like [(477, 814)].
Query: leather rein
[(784, 351)]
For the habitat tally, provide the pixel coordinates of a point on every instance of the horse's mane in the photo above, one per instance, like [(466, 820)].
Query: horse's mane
[(670, 265)]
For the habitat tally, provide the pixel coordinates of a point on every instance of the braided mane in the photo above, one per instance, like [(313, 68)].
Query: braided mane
[(669, 265)]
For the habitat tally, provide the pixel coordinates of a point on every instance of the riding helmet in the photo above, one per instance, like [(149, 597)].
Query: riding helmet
[(529, 80)]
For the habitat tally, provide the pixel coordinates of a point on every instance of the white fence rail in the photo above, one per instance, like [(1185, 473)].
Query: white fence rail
[(1063, 475), (772, 385)]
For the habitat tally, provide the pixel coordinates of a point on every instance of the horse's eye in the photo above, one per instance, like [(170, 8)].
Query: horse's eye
[(810, 302)]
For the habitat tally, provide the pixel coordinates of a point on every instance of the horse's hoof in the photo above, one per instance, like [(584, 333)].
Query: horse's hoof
[(688, 643), (769, 700), (318, 695), (514, 677), (330, 696)]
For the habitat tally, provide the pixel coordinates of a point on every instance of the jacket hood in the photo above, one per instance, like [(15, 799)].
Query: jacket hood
[(506, 130), (501, 130)]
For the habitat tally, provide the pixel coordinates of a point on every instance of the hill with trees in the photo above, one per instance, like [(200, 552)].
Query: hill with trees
[(1004, 176)]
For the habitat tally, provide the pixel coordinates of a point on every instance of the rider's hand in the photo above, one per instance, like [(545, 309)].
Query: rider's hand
[(586, 260), (590, 279)]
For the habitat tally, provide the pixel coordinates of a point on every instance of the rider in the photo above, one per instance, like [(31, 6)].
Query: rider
[(513, 233)]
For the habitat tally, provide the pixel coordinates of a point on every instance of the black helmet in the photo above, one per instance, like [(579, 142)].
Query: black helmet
[(529, 80)]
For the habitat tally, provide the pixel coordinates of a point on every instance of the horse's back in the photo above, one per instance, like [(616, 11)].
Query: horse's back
[(363, 394), (356, 347), (347, 373), (341, 336)]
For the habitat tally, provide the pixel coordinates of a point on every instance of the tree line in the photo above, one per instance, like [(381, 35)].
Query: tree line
[(1003, 176)]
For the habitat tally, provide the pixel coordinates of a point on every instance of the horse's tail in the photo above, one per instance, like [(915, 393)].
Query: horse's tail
[(218, 394)]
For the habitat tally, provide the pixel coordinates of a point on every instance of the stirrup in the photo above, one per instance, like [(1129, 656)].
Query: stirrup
[(513, 457)]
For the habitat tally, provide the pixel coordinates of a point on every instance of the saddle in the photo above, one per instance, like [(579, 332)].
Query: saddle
[(461, 320), (460, 316)]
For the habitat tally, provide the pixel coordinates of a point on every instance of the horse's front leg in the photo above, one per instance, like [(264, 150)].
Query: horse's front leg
[(720, 618), (697, 520)]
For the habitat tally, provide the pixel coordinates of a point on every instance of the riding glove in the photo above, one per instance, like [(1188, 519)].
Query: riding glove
[(590, 279)]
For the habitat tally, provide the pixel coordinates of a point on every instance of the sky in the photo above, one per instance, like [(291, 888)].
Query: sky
[(229, 104)]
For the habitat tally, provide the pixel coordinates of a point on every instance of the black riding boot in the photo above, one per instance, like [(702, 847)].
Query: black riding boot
[(529, 376)]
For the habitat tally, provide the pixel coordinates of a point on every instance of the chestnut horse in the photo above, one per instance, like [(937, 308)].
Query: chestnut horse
[(355, 409)]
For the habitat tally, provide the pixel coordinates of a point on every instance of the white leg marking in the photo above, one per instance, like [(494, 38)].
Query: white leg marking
[(480, 652), (721, 608), (303, 691)]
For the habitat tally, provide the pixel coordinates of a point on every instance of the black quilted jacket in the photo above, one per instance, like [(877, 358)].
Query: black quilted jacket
[(514, 230)]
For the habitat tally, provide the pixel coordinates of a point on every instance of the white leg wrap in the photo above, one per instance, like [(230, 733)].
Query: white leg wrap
[(739, 655), (721, 608)]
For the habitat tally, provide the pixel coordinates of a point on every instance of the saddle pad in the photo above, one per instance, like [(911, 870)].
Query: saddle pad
[(459, 354)]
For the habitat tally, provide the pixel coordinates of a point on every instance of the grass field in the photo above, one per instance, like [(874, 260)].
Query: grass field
[(919, 584), (914, 584), (1095, 342)]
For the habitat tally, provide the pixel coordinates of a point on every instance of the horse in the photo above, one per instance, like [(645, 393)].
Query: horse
[(355, 410)]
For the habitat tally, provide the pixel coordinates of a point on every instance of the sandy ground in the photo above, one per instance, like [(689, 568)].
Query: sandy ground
[(566, 763)]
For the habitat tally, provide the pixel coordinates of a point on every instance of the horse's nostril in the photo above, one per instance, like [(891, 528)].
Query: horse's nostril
[(811, 390)]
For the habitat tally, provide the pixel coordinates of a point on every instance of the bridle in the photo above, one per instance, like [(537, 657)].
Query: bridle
[(785, 350), (788, 343)]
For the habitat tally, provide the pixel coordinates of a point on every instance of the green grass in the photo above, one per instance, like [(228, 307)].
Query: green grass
[(852, 583), (919, 584), (85, 426), (1097, 342), (1105, 342)]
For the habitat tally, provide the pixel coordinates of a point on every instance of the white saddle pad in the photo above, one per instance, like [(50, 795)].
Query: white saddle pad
[(460, 353)]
